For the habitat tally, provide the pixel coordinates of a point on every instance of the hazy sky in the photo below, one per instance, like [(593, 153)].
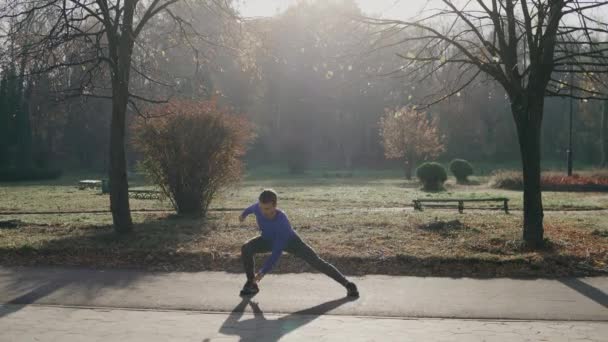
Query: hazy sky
[(385, 8), (395, 9)]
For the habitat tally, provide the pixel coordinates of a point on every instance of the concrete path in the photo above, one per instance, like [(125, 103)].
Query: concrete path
[(41, 323), (582, 299), (55, 304)]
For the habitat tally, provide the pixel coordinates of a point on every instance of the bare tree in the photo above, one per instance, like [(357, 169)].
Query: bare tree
[(101, 37), (529, 47)]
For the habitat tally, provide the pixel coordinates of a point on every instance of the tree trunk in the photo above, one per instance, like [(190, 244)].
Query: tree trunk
[(4, 122), (120, 48), (604, 135), (408, 166), (24, 130), (528, 118), (119, 186)]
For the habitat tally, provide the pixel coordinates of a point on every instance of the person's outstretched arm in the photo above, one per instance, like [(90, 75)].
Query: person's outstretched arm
[(277, 250), (280, 242), (247, 212)]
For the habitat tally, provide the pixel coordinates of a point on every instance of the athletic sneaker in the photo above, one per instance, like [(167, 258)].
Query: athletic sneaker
[(250, 289), (351, 289)]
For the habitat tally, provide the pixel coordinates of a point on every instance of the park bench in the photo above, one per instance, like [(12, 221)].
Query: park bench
[(89, 183), (460, 201), (144, 194)]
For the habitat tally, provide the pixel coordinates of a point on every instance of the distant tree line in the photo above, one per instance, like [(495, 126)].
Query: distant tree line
[(312, 83)]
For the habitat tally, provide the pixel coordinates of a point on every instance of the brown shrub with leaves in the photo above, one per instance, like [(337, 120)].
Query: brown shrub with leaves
[(191, 149), (409, 135), (596, 180)]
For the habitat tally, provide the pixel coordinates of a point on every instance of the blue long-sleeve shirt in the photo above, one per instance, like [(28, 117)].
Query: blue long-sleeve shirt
[(277, 231)]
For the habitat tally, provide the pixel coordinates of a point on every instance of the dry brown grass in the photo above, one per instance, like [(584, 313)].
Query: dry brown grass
[(359, 242), (358, 223)]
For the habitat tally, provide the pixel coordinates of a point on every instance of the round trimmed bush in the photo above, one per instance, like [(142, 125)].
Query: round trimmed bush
[(432, 176), (461, 169)]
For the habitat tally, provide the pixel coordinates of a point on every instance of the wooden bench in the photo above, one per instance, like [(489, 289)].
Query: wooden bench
[(460, 201), (89, 183), (144, 194)]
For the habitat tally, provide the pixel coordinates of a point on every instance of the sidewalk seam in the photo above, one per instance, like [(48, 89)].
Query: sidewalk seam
[(409, 318)]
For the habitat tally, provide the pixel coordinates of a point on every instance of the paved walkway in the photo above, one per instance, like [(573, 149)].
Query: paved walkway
[(204, 306), (563, 299), (40, 323)]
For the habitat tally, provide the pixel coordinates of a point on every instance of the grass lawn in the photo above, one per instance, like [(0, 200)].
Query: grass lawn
[(359, 223)]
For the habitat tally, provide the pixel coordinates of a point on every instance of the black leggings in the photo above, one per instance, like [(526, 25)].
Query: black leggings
[(296, 247)]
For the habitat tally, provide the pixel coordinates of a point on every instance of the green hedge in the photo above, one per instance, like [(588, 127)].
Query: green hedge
[(432, 176), (16, 175), (461, 169)]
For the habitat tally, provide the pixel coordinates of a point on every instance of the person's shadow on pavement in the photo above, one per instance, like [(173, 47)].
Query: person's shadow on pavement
[(259, 328)]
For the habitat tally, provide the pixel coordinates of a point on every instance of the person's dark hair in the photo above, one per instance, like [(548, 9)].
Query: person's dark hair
[(268, 196)]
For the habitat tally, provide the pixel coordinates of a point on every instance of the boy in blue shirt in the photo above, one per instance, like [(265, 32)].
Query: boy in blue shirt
[(278, 236)]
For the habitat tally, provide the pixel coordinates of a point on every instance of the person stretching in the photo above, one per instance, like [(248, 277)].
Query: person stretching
[(277, 236)]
